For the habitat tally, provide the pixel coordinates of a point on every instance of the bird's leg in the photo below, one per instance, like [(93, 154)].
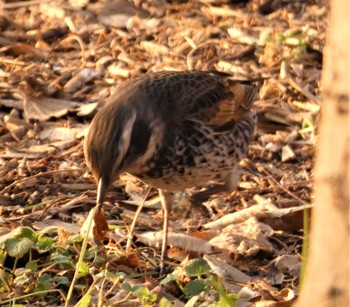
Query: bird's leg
[(132, 226), (165, 200), (232, 179)]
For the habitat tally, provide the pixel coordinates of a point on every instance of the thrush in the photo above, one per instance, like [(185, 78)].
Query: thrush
[(172, 130)]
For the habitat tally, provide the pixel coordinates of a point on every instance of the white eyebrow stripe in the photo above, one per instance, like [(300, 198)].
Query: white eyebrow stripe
[(124, 141)]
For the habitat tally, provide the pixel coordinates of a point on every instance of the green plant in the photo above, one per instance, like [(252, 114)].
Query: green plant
[(142, 293), (201, 283), (36, 264)]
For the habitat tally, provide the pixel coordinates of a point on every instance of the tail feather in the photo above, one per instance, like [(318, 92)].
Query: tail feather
[(244, 96)]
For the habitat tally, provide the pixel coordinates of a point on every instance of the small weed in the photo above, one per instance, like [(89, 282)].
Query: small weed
[(202, 287), (36, 264), (142, 293)]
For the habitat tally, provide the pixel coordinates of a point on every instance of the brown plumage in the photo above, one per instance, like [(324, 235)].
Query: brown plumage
[(173, 130)]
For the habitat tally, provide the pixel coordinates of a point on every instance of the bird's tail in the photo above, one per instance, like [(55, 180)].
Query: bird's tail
[(244, 95)]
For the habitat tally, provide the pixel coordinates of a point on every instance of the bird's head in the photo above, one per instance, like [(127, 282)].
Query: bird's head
[(120, 137)]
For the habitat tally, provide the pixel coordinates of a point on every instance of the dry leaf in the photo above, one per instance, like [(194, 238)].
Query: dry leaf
[(99, 226), (183, 241), (224, 270), (247, 238), (80, 79), (288, 264), (62, 133), (42, 108)]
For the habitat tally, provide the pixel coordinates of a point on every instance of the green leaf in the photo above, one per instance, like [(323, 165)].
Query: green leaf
[(45, 278), (90, 254), (152, 298), (144, 296), (18, 248), (61, 259), (24, 232), (32, 265), (164, 302), (126, 287), (143, 291), (168, 279), (45, 243), (85, 300), (118, 276), (2, 257), (229, 300), (194, 287), (83, 270), (135, 288), (197, 267), (61, 280), (225, 299)]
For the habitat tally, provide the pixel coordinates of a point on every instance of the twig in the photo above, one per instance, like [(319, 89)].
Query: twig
[(132, 226), (19, 4), (5, 189), (283, 188)]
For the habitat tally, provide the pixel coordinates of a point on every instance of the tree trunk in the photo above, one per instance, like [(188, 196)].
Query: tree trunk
[(327, 275)]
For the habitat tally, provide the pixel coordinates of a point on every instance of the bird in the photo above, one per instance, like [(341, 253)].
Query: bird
[(173, 130)]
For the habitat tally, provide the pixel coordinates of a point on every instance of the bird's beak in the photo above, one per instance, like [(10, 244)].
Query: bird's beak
[(101, 191)]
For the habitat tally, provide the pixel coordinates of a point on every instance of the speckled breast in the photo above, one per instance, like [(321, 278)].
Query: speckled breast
[(197, 154)]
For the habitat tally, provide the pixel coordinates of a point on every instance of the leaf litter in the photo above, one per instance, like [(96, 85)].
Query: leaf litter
[(59, 60)]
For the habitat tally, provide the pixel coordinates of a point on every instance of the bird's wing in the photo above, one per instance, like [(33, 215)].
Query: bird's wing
[(206, 97), (210, 98), (217, 100)]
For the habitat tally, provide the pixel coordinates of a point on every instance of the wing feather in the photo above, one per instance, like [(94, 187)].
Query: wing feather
[(210, 98)]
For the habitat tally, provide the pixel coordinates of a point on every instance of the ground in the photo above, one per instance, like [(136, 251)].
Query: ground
[(59, 60)]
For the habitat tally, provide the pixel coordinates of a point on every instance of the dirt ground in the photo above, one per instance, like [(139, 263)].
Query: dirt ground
[(59, 61)]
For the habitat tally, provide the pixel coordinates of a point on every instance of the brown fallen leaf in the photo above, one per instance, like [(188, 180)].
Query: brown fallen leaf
[(262, 211), (42, 108), (289, 264), (99, 226), (131, 260), (28, 51), (183, 241), (62, 133), (246, 238), (81, 78), (224, 270)]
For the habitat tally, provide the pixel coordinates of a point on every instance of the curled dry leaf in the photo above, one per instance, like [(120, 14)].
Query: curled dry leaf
[(287, 154), (81, 78), (116, 13), (27, 51), (183, 241), (16, 126), (47, 225), (247, 238), (224, 270), (288, 264), (131, 260), (263, 211), (42, 108), (87, 109), (97, 223), (62, 133), (257, 211)]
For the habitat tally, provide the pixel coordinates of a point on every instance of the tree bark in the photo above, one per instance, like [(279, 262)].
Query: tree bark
[(327, 276)]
